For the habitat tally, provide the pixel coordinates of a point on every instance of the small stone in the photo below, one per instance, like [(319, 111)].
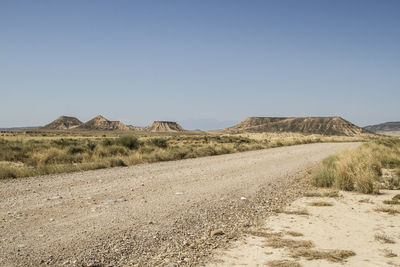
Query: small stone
[(51, 219), (243, 198), (217, 232), (108, 202), (179, 193)]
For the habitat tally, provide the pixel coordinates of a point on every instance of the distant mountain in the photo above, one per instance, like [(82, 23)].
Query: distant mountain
[(101, 123), (387, 128), (19, 128), (165, 126), (305, 125), (63, 123), (384, 127)]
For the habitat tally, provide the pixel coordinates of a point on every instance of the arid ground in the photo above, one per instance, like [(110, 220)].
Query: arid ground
[(165, 213)]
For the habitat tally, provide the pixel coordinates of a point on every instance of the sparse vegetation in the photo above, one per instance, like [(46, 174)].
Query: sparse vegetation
[(278, 242), (396, 197), (359, 169), (366, 200), (391, 202), (294, 212), (389, 253), (334, 255), (390, 211), (384, 239), (320, 204), (283, 263), (34, 153), (334, 193), (293, 233)]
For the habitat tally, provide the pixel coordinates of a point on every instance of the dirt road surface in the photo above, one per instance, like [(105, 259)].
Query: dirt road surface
[(166, 214)]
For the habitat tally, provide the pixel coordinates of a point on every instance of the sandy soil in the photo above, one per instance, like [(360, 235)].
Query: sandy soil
[(351, 223), (147, 215)]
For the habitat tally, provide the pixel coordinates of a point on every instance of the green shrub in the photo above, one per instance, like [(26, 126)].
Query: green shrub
[(76, 149), (158, 142), (128, 141), (91, 145), (107, 142)]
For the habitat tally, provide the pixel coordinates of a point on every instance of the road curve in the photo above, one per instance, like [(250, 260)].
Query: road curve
[(139, 214)]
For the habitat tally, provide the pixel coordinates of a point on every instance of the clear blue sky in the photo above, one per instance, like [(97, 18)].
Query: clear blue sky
[(199, 61)]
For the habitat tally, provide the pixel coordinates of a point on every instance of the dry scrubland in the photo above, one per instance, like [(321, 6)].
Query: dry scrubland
[(328, 227), (40, 153), (374, 165)]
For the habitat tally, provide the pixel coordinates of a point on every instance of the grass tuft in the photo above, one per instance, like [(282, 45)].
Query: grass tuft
[(334, 255), (390, 211), (278, 242), (320, 204), (294, 212), (283, 263), (293, 233), (391, 202), (384, 239)]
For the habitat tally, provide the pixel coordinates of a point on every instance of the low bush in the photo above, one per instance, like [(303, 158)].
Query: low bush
[(158, 142), (128, 141)]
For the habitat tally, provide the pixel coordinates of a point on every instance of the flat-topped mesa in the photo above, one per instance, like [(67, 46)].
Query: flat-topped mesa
[(63, 123), (102, 124), (165, 126), (306, 125)]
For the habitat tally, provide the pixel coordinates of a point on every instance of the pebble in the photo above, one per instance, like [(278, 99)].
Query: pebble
[(217, 232), (109, 202)]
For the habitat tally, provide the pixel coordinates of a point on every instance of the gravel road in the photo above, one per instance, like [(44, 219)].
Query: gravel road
[(161, 214)]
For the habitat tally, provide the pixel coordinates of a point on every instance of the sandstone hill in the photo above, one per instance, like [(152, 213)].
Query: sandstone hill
[(165, 126), (387, 128), (102, 124), (306, 125), (63, 123)]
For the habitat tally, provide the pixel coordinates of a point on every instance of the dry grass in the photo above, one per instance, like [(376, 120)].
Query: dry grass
[(390, 211), (283, 263), (359, 169), (278, 242), (313, 194), (366, 200), (384, 239), (293, 233), (396, 197), (334, 255), (389, 253), (320, 204), (334, 193), (32, 153), (391, 202), (294, 212)]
